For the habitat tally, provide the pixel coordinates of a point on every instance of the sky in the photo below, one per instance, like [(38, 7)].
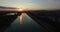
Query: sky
[(32, 4)]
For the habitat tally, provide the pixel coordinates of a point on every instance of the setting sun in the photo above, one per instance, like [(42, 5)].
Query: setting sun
[(20, 9)]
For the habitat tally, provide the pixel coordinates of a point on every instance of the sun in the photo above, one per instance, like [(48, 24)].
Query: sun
[(20, 9)]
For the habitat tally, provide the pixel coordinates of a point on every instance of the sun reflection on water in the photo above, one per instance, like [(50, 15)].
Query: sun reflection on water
[(21, 19)]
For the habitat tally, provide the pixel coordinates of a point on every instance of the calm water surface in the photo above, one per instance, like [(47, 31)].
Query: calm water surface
[(24, 24)]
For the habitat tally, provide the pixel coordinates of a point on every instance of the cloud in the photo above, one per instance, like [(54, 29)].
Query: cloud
[(2, 7)]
